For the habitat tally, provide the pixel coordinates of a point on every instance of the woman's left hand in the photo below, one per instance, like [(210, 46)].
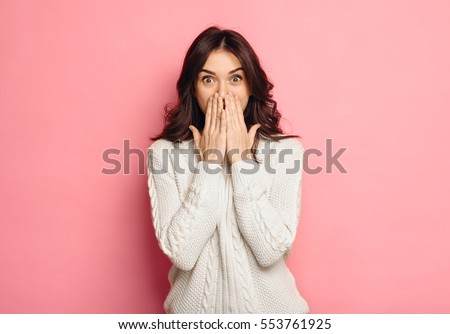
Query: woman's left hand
[(239, 141)]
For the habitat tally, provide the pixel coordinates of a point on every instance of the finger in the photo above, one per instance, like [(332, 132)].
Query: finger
[(214, 123), (229, 128), (221, 115), (196, 135), (240, 114), (220, 106), (208, 115), (228, 131), (230, 125), (217, 112), (223, 121), (235, 114), (232, 112), (252, 132)]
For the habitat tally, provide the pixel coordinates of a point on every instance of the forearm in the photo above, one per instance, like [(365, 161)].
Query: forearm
[(183, 226), (268, 231)]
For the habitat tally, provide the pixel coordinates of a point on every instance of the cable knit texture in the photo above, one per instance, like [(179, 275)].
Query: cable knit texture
[(227, 229)]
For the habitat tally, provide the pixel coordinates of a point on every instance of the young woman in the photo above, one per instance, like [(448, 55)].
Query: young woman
[(225, 185)]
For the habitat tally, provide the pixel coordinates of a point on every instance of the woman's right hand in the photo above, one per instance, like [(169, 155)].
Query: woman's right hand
[(212, 142)]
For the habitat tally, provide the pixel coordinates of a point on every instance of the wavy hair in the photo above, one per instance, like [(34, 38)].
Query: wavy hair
[(261, 108)]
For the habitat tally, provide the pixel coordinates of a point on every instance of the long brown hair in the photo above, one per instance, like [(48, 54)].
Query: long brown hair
[(261, 108)]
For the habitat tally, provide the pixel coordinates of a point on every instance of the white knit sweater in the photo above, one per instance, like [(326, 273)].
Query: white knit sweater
[(227, 232)]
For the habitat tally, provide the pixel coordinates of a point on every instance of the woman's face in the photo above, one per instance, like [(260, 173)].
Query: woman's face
[(222, 72)]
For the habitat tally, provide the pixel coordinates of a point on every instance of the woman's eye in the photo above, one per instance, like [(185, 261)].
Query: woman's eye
[(207, 79), (237, 77)]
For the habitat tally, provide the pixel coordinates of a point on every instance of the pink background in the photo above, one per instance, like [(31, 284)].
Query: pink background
[(80, 77)]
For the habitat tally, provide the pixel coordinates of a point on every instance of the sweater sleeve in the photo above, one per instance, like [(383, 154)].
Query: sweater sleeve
[(182, 225), (268, 219)]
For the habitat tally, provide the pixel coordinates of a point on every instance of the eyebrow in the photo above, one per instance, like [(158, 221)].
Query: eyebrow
[(211, 72)]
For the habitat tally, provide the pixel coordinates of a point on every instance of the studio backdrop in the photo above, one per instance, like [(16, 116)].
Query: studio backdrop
[(83, 85)]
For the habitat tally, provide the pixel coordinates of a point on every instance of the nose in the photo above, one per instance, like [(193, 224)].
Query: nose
[(222, 89)]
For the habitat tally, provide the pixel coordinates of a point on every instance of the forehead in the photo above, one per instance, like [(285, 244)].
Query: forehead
[(221, 61)]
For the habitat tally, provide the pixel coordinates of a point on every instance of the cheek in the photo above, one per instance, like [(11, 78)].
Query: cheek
[(243, 100), (243, 95), (202, 105), (202, 102)]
